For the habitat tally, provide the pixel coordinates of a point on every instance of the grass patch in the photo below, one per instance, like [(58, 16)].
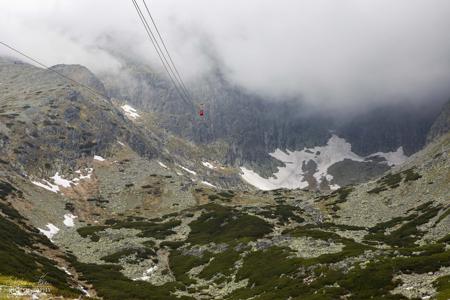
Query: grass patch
[(444, 215), (340, 194), (180, 264), (411, 175), (407, 234), (172, 244), (221, 224), (222, 263), (150, 229), (7, 189), (442, 285), (138, 255), (377, 190), (111, 284), (284, 213), (391, 180), (29, 266), (91, 231)]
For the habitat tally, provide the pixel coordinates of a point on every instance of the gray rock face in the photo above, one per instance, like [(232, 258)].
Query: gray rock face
[(442, 124), (82, 75), (350, 172), (254, 126), (50, 123)]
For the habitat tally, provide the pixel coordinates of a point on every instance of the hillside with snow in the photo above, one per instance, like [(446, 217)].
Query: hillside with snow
[(315, 162)]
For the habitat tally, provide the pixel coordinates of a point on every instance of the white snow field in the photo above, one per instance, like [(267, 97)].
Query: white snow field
[(99, 158), (130, 112), (68, 220), (50, 231), (59, 181), (291, 176)]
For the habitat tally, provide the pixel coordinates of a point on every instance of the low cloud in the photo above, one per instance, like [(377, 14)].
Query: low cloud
[(336, 54)]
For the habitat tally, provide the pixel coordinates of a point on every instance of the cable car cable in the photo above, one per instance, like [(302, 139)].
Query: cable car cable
[(165, 48), (97, 93), (155, 45)]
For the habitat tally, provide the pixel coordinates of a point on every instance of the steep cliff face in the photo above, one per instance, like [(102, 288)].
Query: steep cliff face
[(50, 123), (254, 126), (441, 125)]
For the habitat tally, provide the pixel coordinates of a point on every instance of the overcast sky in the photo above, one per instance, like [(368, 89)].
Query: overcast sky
[(331, 52)]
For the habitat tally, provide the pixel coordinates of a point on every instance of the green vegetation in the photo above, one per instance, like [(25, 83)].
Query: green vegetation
[(221, 224), (91, 231), (150, 229), (274, 275), (339, 226), (111, 284), (7, 189), (180, 264), (222, 263), (340, 194), (138, 254), (411, 175), (444, 215), (442, 285), (377, 190), (406, 234), (343, 193), (147, 228), (284, 213), (16, 262), (10, 211), (394, 180), (172, 244), (391, 180), (351, 248), (225, 196)]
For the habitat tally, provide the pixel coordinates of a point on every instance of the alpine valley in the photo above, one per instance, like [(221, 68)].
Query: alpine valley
[(132, 195)]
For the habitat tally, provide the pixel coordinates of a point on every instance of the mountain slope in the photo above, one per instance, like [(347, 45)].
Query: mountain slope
[(252, 126), (441, 125), (133, 212)]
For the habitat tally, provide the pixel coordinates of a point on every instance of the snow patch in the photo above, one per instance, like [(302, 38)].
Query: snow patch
[(84, 291), (162, 165), (291, 176), (187, 170), (130, 112), (209, 184), (65, 270), (334, 187), (147, 274), (99, 158), (208, 165), (392, 158), (50, 231), (47, 185), (58, 180), (68, 220)]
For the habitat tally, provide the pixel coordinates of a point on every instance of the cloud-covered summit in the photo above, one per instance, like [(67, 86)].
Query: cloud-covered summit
[(332, 53)]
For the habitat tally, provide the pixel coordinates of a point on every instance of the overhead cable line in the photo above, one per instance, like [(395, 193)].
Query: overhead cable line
[(165, 48), (161, 56), (53, 70)]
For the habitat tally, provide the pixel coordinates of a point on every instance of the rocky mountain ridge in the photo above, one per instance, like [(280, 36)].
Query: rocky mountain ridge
[(253, 127), (98, 201)]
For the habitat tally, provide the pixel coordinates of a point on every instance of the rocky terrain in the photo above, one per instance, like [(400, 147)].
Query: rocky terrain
[(97, 200), (253, 126)]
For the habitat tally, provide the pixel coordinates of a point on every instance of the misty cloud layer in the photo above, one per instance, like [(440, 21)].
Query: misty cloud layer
[(337, 53)]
